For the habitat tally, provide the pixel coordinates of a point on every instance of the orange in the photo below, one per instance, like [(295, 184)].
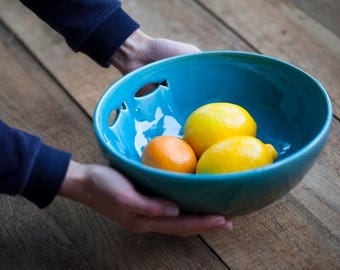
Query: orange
[(214, 122), (170, 153), (235, 154)]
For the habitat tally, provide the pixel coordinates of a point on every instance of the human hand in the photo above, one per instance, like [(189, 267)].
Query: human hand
[(140, 49), (111, 194)]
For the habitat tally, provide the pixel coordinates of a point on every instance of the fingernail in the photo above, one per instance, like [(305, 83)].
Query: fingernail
[(228, 226), (171, 211), (224, 224), (220, 222)]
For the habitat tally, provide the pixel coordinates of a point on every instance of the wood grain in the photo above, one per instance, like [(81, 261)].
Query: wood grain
[(300, 231), (324, 11), (280, 29), (84, 79), (277, 238), (31, 239), (68, 235)]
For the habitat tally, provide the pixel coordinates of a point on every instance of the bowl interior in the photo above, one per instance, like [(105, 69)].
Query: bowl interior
[(286, 103)]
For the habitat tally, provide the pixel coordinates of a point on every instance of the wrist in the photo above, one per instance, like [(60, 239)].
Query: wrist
[(130, 50), (74, 182)]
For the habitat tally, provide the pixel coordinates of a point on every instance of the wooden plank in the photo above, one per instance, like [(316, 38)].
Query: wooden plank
[(325, 12), (81, 76), (31, 239), (279, 29), (286, 219), (319, 191), (68, 235)]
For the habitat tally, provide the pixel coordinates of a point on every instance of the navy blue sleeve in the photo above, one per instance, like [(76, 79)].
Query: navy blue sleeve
[(30, 168), (94, 27)]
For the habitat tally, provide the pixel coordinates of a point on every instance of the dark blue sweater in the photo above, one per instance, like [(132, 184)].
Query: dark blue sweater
[(95, 27)]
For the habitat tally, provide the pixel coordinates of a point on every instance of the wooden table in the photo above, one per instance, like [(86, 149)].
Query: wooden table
[(48, 90)]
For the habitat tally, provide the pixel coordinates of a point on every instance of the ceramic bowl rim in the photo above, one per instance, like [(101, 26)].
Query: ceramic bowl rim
[(213, 177)]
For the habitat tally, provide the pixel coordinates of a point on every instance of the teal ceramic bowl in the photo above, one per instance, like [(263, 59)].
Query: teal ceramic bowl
[(291, 108)]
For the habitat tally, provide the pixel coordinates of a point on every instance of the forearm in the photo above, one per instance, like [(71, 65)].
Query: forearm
[(74, 184), (28, 167), (94, 27)]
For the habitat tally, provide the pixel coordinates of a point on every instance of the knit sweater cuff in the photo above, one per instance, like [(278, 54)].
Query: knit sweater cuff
[(47, 175), (109, 36)]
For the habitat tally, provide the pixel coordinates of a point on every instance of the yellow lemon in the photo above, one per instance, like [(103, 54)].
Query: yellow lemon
[(214, 122), (235, 154)]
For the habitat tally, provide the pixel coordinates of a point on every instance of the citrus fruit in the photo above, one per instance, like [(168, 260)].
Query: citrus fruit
[(214, 122), (170, 153), (236, 154)]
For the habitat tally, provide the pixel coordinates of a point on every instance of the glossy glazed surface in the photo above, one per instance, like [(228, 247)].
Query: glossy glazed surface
[(292, 111)]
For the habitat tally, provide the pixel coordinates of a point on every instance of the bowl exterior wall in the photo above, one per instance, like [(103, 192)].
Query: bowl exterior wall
[(229, 194)]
